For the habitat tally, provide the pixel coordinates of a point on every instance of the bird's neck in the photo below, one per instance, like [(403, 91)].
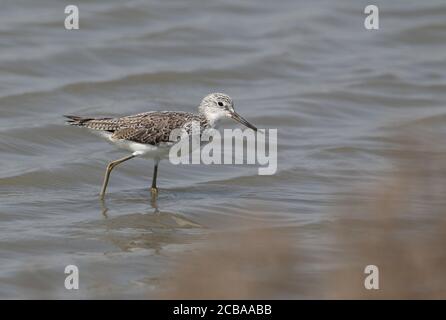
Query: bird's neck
[(212, 119)]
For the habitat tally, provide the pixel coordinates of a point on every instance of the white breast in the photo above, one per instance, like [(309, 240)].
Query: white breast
[(138, 149)]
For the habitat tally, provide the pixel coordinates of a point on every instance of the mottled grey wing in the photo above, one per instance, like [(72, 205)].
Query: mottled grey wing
[(109, 124), (153, 128), (142, 135)]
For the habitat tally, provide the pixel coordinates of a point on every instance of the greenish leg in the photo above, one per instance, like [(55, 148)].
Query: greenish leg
[(110, 167)]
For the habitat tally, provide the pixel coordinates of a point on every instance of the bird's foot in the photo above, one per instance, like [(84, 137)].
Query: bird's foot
[(154, 192)]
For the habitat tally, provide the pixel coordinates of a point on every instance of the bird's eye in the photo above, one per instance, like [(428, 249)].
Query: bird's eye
[(220, 103)]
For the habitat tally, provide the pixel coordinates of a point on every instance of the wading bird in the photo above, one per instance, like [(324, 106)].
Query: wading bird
[(147, 134)]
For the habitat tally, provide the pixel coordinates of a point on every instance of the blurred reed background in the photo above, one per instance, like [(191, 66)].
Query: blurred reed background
[(399, 225)]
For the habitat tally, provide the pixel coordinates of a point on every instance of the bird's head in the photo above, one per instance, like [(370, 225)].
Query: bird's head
[(217, 106)]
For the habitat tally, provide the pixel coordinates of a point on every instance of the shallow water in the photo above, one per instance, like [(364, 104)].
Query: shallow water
[(336, 92)]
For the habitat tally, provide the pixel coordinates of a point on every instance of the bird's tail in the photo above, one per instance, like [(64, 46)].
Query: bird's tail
[(77, 121)]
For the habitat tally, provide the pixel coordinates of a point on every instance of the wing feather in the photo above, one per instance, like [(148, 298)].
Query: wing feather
[(149, 127)]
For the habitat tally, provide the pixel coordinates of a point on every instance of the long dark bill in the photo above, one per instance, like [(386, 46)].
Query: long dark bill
[(242, 120)]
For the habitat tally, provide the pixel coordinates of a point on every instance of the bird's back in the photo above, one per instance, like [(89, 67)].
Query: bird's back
[(149, 128)]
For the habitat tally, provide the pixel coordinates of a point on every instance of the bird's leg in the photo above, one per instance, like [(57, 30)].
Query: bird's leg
[(104, 208), (110, 167), (154, 189)]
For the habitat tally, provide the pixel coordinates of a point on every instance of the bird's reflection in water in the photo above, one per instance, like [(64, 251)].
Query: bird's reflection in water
[(154, 229), (104, 208)]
